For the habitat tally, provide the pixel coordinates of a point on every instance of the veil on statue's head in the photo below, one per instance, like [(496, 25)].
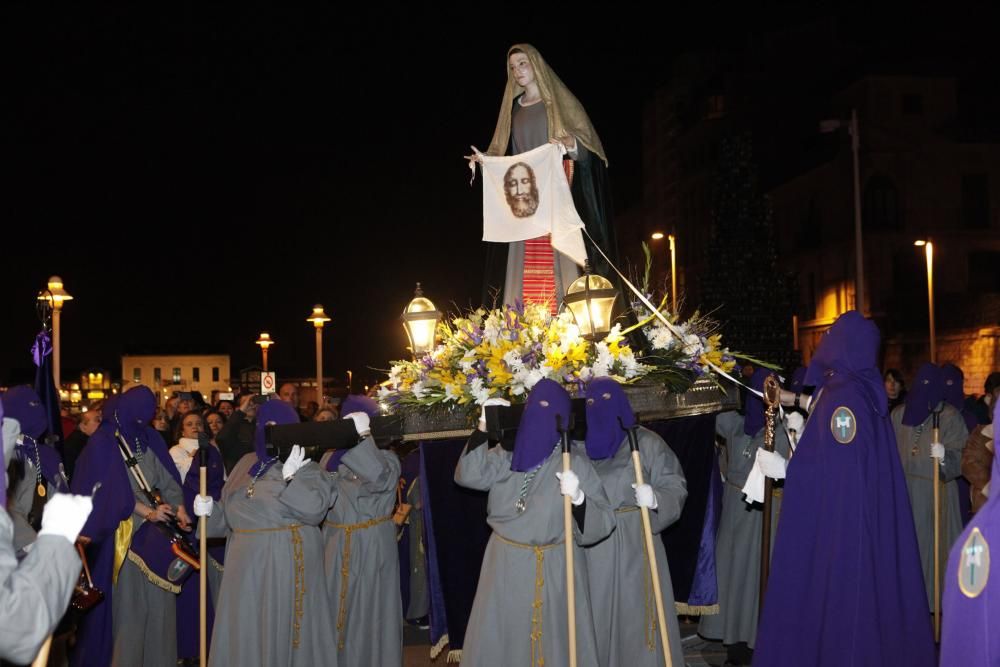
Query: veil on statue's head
[(565, 113)]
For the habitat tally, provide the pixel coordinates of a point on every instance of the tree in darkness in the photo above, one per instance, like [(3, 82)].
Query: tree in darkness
[(746, 287)]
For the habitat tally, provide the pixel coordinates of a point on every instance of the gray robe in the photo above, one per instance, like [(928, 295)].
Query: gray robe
[(519, 611), (737, 546), (20, 502), (33, 594), (368, 614), (144, 615), (620, 589), (914, 445), (273, 608)]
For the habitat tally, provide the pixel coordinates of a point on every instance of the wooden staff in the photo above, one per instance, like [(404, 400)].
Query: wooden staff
[(772, 396), (203, 572), (42, 659), (937, 530), (647, 532), (568, 526)]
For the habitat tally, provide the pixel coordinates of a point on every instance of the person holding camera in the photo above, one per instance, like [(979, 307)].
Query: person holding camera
[(237, 435)]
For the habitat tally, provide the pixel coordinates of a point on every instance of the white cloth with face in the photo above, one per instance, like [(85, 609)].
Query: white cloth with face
[(526, 196)]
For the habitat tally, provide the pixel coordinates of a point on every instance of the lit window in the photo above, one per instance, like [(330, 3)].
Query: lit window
[(177, 375)]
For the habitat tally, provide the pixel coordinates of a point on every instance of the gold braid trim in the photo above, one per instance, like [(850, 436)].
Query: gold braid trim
[(298, 558), (216, 565), (455, 656), (345, 568), (537, 658), (684, 609), (437, 648), (152, 576), (626, 509)]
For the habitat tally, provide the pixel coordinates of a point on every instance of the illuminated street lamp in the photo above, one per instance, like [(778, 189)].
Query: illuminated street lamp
[(590, 298), (420, 318), (265, 342), (55, 295), (656, 236), (928, 247), (319, 318)]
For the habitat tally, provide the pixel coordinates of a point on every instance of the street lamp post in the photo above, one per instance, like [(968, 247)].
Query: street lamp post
[(859, 270), (265, 342), (673, 268), (55, 295), (928, 247), (319, 318)]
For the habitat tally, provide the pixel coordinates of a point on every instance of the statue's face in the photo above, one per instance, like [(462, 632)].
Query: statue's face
[(521, 69)]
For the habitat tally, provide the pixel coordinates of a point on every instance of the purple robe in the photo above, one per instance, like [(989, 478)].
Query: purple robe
[(846, 586), (970, 633), (114, 502)]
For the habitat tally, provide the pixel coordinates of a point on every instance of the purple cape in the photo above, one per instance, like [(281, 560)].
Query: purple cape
[(796, 383), (114, 502), (537, 434), (272, 412), (846, 586), (606, 404), (359, 403), (954, 393), (971, 602), (926, 394), (755, 418)]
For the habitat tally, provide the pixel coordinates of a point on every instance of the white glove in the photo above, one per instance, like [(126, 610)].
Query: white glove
[(296, 459), (569, 485), (772, 464), (65, 515), (203, 505), (491, 401), (937, 452), (754, 488), (644, 496), (795, 422), (362, 422)]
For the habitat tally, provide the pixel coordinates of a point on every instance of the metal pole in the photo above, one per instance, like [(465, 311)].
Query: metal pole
[(319, 365), (264, 352), (929, 251), (859, 254), (673, 274), (56, 359)]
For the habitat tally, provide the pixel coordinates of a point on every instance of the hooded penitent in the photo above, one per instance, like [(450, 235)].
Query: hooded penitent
[(925, 396), (606, 405), (954, 393), (971, 603), (846, 585), (276, 413), (538, 434), (23, 405)]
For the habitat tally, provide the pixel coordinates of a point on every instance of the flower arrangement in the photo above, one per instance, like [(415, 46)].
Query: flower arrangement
[(504, 352)]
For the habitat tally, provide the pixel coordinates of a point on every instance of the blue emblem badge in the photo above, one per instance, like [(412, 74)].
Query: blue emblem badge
[(843, 425), (974, 565)]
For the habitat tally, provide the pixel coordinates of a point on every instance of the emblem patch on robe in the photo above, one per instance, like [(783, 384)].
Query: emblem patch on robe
[(843, 425), (974, 565), (527, 196)]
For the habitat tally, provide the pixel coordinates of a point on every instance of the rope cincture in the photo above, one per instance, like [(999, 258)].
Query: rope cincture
[(537, 657), (345, 570), (298, 557)]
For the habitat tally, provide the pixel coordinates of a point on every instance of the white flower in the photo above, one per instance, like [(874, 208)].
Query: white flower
[(692, 345), (418, 390), (586, 373), (604, 361), (630, 367), (450, 393), (394, 374), (514, 361), (384, 392)]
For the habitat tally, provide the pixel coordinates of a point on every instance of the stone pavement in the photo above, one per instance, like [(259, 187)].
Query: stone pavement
[(697, 651)]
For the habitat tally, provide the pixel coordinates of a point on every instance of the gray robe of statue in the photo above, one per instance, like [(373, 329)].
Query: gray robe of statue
[(519, 613), (914, 445), (33, 594), (144, 615), (620, 587), (361, 541), (273, 608), (19, 502), (737, 545)]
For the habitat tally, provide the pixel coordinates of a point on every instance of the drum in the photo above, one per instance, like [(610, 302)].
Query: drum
[(166, 558)]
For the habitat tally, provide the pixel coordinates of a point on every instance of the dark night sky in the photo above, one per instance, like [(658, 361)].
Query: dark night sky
[(200, 175)]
